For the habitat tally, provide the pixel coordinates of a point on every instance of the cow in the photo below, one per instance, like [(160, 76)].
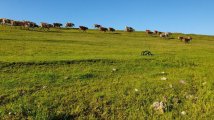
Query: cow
[(103, 29), (57, 25), (163, 35), (180, 38), (156, 32), (111, 29), (149, 32), (46, 25), (22, 24), (17, 23), (129, 29), (1, 21), (69, 25), (97, 26), (5, 21), (29, 24), (83, 28), (187, 40)]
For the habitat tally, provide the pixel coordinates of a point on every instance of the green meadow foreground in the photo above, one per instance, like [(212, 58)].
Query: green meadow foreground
[(67, 74)]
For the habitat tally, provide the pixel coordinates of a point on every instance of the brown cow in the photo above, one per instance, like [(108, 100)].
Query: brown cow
[(149, 32), (17, 23), (69, 25), (30, 24), (111, 29), (1, 21), (22, 24), (103, 29), (156, 32), (83, 28), (180, 38), (46, 25), (187, 40)]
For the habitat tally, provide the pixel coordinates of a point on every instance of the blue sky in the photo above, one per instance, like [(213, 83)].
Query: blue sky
[(187, 16)]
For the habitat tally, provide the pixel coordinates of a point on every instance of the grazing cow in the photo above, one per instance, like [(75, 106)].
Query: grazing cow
[(17, 23), (97, 26), (23, 24), (163, 35), (83, 28), (1, 21), (103, 29), (129, 29), (69, 25), (187, 40), (5, 21), (149, 32), (46, 25), (156, 32), (29, 24), (57, 25), (111, 29), (180, 38)]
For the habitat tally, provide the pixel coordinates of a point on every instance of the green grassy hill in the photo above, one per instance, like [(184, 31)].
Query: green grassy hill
[(67, 74)]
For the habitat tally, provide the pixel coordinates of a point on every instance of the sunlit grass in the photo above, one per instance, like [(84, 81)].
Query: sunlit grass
[(67, 74)]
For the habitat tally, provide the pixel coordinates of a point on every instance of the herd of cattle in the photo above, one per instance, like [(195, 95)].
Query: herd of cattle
[(29, 24), (167, 35)]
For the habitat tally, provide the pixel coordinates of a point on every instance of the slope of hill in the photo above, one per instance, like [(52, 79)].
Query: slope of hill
[(67, 74)]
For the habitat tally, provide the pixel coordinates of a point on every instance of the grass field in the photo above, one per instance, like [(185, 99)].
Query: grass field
[(67, 74)]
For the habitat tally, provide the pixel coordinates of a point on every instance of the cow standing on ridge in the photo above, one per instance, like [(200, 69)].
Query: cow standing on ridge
[(129, 29), (180, 38), (17, 23), (46, 25), (69, 25), (187, 40), (111, 29), (5, 21), (156, 32), (149, 32), (97, 26), (57, 25), (83, 28), (103, 29)]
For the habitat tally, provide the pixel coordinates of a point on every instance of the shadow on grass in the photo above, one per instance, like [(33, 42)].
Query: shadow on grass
[(63, 62), (64, 117)]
